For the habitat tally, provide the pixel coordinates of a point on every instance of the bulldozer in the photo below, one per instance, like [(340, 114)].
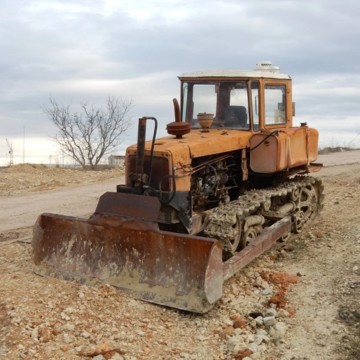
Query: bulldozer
[(230, 178)]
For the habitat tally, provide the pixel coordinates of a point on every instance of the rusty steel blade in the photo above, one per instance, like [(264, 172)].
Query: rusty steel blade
[(122, 245), (171, 269)]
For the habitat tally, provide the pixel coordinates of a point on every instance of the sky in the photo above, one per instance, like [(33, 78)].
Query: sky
[(87, 50)]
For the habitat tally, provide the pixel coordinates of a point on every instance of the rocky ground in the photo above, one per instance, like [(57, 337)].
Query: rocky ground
[(298, 301)]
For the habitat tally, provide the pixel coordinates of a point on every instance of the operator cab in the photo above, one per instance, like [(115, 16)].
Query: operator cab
[(239, 100)]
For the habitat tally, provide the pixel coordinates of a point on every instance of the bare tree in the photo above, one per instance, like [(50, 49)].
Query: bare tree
[(90, 135)]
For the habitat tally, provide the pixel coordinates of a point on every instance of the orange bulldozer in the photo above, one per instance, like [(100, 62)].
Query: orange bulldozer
[(229, 180)]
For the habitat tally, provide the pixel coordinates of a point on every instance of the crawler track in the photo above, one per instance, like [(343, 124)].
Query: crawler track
[(240, 221)]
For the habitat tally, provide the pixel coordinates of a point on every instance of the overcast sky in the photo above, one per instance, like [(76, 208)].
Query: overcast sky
[(87, 50)]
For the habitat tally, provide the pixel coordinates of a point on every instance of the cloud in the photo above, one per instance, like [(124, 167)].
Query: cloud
[(90, 49)]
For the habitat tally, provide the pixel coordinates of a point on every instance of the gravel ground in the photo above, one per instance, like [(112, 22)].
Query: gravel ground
[(298, 301)]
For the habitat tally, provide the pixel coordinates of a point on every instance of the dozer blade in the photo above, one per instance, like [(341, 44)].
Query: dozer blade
[(121, 245)]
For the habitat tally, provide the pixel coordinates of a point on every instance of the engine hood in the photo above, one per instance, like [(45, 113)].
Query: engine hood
[(198, 143)]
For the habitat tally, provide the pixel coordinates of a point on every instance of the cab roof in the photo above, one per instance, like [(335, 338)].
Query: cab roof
[(264, 69)]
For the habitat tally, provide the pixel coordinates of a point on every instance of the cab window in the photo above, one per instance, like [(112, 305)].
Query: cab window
[(234, 114), (204, 96), (226, 101), (255, 103), (275, 111)]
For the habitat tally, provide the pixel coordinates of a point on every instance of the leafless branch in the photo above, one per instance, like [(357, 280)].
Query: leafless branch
[(93, 133)]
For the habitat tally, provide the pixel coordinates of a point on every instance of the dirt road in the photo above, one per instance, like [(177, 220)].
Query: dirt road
[(340, 158), (22, 210), (312, 313)]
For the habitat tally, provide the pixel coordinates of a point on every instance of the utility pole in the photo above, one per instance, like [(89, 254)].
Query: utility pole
[(24, 146), (11, 152)]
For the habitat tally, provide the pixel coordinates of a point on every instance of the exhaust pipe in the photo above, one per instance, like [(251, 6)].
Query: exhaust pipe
[(140, 179)]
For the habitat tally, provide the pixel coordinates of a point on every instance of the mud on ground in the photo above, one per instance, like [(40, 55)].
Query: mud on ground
[(298, 301)]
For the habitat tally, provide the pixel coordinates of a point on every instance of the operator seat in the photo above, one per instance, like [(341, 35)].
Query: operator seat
[(235, 117)]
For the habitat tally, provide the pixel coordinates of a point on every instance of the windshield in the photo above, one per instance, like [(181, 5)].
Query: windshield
[(225, 102)]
